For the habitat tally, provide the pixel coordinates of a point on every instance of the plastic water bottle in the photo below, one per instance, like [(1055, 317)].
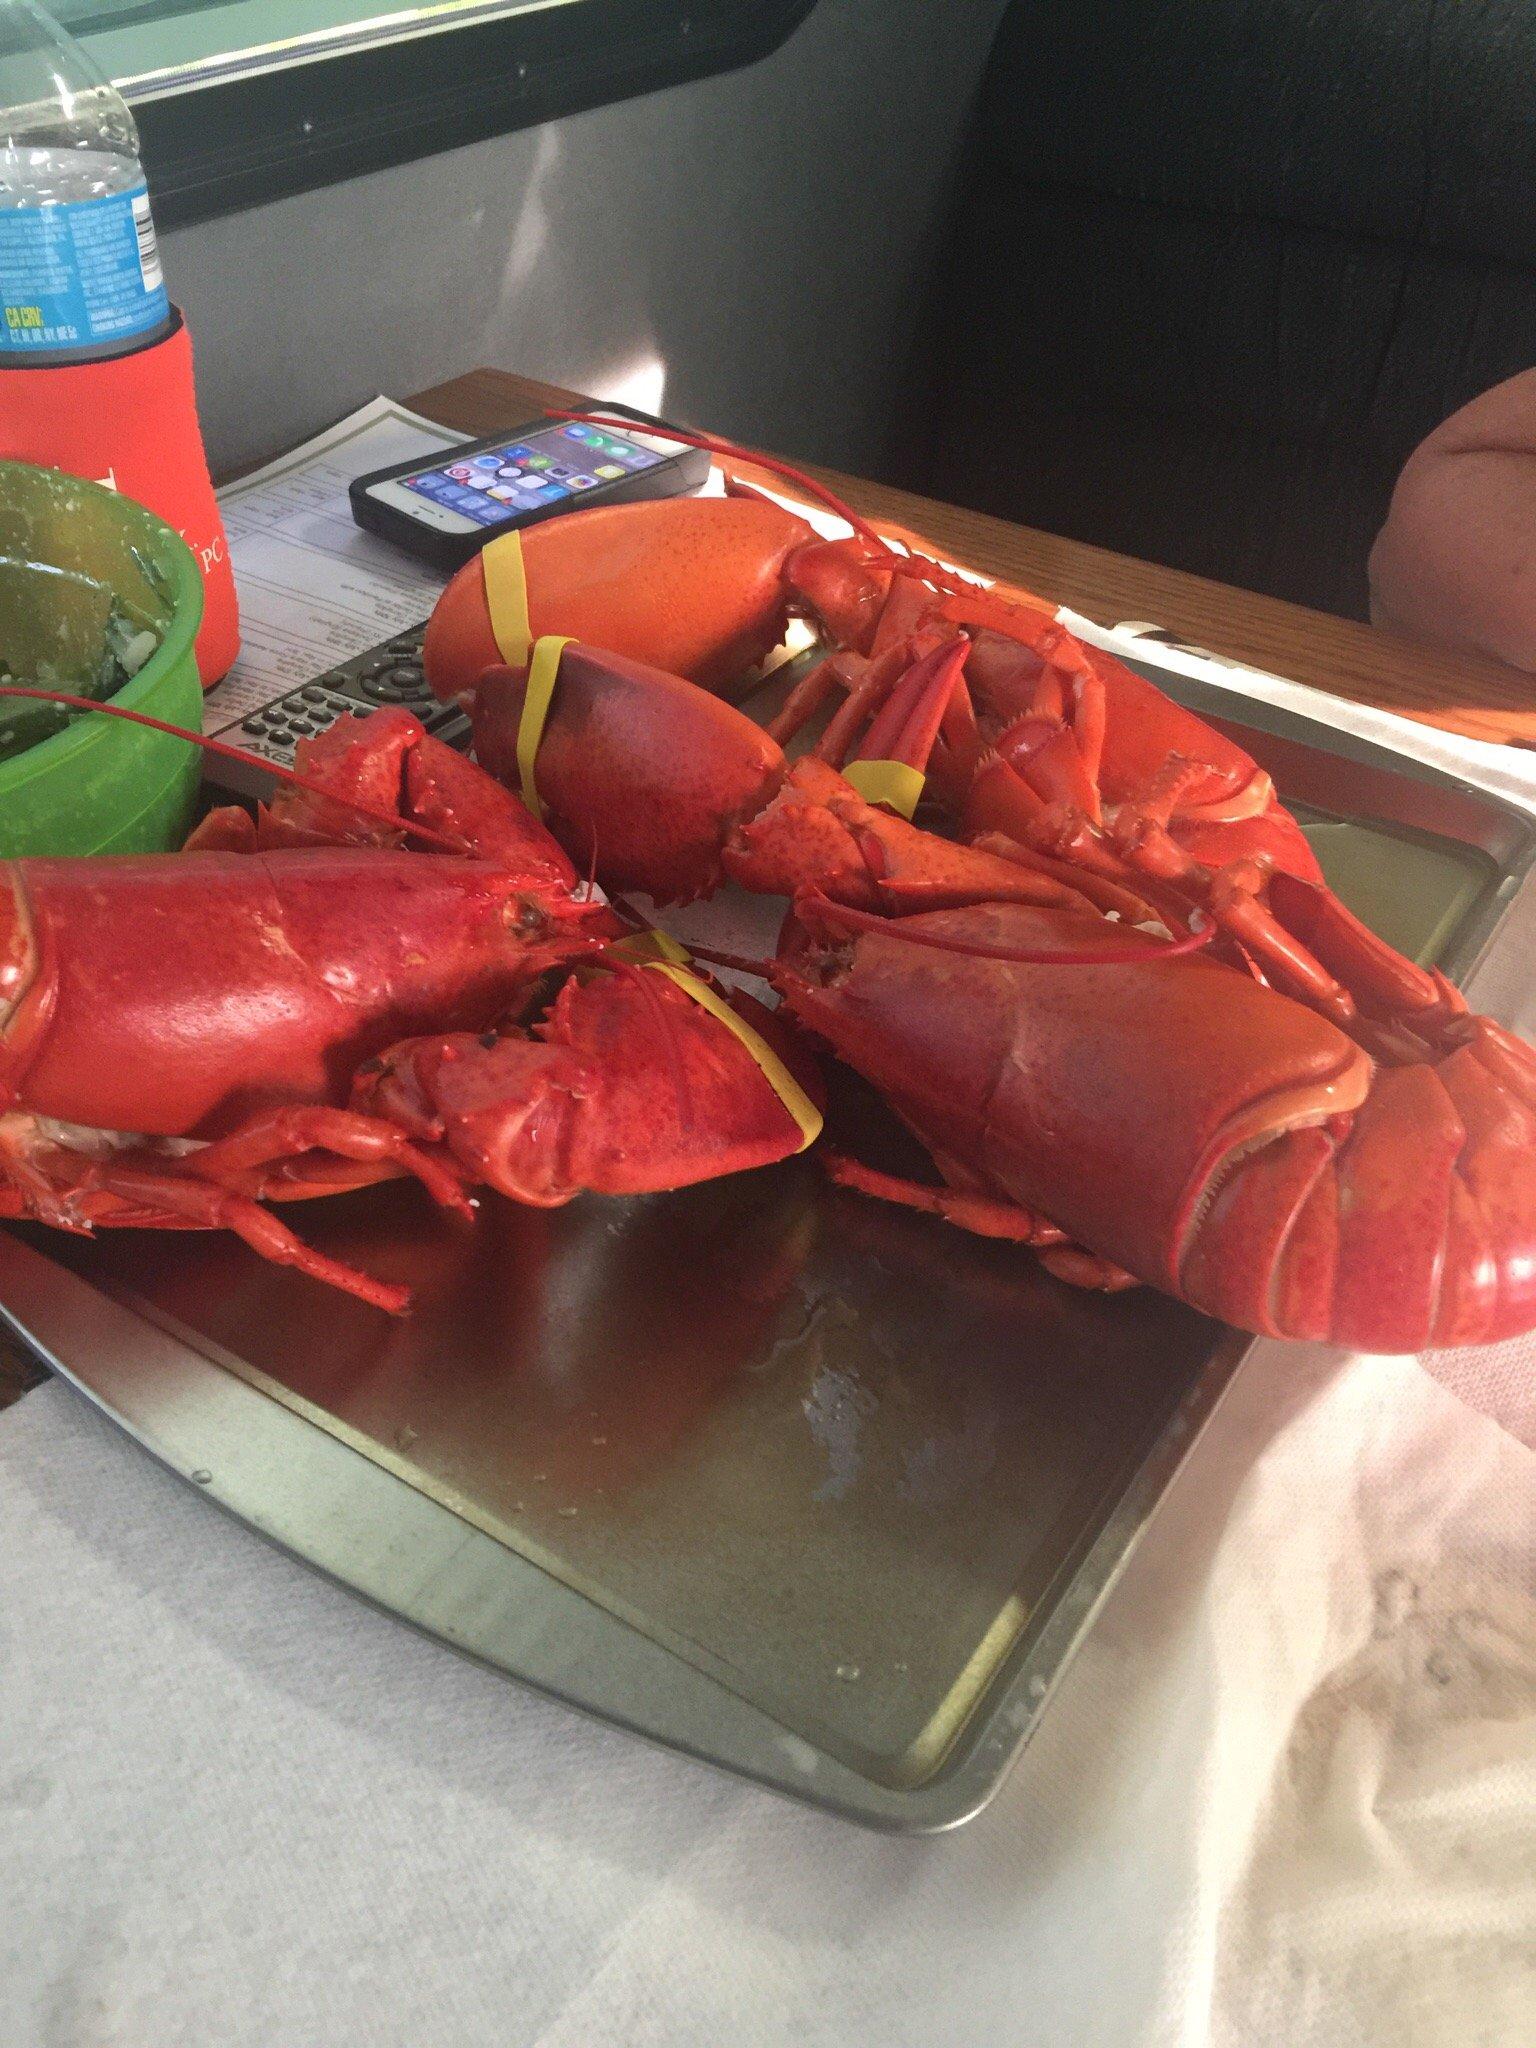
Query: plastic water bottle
[(80, 273)]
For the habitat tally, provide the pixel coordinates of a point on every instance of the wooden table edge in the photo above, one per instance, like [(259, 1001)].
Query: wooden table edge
[(1469, 694)]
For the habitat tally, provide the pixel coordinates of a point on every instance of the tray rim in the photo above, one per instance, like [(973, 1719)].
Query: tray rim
[(668, 1701)]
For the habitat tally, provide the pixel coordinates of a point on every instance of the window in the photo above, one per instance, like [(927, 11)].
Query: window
[(241, 100)]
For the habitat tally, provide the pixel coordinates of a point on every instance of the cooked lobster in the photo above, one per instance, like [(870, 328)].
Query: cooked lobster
[(1302, 1132), (297, 1005), (1040, 725)]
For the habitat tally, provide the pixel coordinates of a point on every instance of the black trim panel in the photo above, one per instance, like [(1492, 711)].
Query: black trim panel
[(225, 147)]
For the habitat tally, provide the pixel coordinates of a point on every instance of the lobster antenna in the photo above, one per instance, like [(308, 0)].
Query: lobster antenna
[(1023, 956), (715, 444), (741, 963), (226, 751)]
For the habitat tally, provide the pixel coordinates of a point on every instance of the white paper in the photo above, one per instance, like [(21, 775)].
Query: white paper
[(315, 589), (1284, 1797)]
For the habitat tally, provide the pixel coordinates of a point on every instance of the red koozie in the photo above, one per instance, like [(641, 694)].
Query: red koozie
[(131, 423)]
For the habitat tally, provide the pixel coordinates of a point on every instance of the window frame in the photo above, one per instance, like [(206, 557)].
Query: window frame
[(309, 121)]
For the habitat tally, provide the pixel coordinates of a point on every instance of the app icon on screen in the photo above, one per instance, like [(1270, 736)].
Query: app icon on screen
[(503, 493), (611, 469), (520, 453), (582, 483), (575, 433), (460, 472), (484, 461), (544, 462)]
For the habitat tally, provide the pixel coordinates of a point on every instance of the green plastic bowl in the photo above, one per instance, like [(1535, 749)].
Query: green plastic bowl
[(102, 785)]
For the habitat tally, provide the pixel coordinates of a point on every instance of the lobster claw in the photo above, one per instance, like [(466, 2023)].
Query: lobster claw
[(695, 585), (373, 781), (628, 1087), (818, 832), (672, 791), (638, 770)]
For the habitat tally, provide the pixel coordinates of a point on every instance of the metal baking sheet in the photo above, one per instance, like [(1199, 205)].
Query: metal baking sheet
[(820, 1490)]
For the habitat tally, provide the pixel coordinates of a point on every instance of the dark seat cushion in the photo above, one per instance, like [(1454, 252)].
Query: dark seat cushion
[(1217, 268)]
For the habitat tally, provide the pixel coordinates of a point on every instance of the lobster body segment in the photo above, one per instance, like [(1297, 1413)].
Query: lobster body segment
[(178, 995)]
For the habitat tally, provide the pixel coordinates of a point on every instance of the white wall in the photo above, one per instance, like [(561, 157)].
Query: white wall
[(765, 236)]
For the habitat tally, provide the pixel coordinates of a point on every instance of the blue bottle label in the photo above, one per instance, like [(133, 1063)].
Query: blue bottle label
[(79, 274)]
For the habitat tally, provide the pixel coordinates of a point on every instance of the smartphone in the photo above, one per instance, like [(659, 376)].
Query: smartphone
[(447, 508)]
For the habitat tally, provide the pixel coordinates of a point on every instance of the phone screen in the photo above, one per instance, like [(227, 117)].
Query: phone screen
[(552, 464)]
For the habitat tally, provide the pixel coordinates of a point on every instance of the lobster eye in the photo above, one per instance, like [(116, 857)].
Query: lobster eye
[(526, 916)]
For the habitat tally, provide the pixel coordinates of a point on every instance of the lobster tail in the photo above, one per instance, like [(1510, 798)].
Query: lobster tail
[(1410, 1224)]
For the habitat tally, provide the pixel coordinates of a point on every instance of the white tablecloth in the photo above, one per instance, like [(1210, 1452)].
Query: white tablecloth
[(1285, 1795)]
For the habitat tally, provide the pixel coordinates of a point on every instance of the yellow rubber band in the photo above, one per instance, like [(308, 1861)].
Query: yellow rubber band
[(538, 694), (506, 597), (780, 1079), (892, 783), (649, 947)]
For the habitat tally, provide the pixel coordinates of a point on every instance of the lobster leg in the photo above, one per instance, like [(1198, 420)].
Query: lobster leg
[(805, 701), (985, 1216), (1312, 945), (1231, 896), (864, 699), (185, 1199), (982, 1215), (1378, 976), (907, 724), (1096, 888), (281, 1136), (68, 1188), (1304, 938)]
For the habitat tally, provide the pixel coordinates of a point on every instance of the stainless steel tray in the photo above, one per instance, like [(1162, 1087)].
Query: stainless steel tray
[(820, 1491)]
